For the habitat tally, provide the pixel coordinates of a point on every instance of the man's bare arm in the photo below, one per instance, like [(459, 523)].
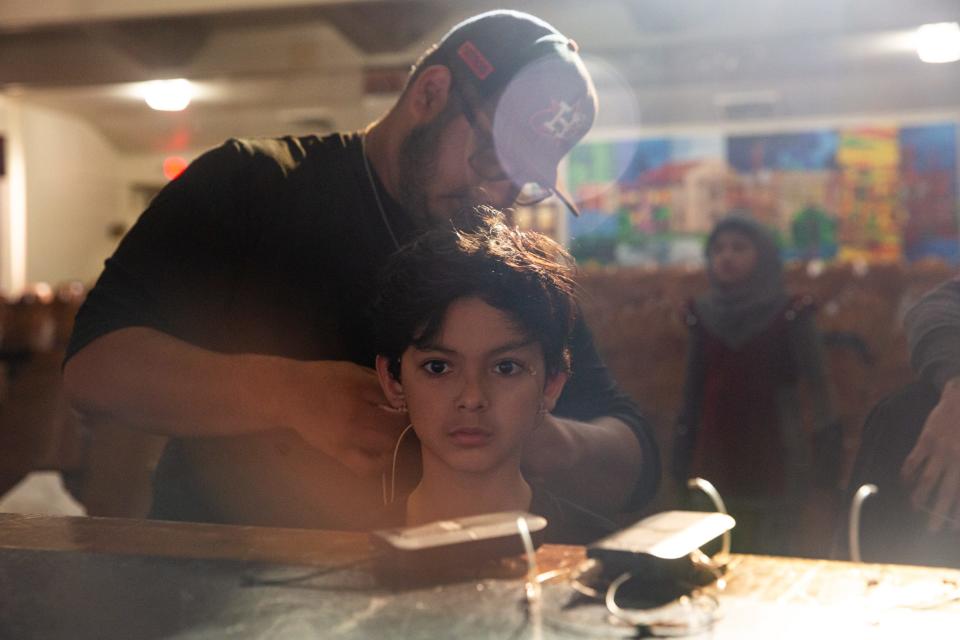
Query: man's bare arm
[(155, 382), (933, 467), (594, 464)]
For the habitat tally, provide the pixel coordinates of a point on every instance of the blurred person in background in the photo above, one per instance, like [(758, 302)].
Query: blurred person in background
[(740, 426), (231, 317)]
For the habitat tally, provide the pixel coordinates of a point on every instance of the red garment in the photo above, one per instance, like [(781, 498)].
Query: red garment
[(739, 446)]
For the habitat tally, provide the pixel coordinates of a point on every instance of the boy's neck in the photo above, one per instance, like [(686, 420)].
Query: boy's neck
[(444, 493)]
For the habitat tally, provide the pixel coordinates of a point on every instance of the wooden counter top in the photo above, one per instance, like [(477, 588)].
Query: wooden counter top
[(81, 578), (180, 539)]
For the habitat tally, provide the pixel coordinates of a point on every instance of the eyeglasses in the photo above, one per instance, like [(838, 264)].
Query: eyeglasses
[(486, 164)]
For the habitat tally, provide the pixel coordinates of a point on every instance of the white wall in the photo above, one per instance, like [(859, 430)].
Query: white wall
[(72, 190), (64, 190), (12, 202)]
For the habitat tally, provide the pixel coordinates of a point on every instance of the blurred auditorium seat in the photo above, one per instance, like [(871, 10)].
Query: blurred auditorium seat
[(37, 430), (104, 467)]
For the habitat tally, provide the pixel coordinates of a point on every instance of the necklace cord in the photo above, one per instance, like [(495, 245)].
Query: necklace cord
[(376, 192)]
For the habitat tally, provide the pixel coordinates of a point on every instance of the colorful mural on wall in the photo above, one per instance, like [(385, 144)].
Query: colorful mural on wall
[(877, 193)]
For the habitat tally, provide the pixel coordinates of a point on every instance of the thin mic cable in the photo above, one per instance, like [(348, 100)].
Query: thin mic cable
[(862, 494), (533, 585), (532, 588), (393, 469), (707, 487)]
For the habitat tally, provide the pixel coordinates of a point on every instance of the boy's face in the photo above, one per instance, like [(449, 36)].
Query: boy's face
[(733, 257), (476, 392)]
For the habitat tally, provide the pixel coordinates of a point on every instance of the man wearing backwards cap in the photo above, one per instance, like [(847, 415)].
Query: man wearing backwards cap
[(231, 317)]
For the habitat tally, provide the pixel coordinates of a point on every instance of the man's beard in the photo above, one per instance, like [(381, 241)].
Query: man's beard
[(418, 163)]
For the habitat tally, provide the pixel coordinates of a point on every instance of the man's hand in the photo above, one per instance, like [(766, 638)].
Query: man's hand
[(548, 448), (339, 408), (594, 464), (933, 467)]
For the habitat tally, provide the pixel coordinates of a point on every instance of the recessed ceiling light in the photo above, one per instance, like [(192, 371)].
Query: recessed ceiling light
[(939, 42), (168, 95)]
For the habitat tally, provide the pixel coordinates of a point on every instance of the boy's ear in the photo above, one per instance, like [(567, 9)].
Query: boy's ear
[(429, 93), (552, 390), (392, 388)]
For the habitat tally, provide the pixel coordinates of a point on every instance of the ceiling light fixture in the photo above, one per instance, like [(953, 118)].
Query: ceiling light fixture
[(168, 95), (939, 42)]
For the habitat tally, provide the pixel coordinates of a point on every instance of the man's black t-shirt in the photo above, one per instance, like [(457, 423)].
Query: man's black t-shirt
[(273, 246), (269, 246)]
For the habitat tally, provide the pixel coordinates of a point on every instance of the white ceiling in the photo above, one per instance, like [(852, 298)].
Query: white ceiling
[(294, 66)]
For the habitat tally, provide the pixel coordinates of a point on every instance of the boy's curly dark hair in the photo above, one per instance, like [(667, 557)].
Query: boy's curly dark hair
[(524, 274)]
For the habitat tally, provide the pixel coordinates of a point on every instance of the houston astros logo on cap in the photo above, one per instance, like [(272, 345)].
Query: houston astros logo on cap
[(561, 120)]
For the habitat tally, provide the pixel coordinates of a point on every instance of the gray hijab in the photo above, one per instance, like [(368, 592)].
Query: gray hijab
[(736, 314)]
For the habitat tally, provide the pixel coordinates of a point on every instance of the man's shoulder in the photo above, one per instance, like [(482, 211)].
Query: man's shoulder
[(287, 152)]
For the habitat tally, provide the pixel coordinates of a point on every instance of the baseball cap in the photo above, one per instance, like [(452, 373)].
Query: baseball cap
[(545, 101)]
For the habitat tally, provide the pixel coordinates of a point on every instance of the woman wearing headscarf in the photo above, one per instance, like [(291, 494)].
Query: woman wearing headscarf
[(740, 427)]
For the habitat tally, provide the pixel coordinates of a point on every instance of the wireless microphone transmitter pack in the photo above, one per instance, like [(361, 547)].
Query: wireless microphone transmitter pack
[(453, 545), (659, 547)]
